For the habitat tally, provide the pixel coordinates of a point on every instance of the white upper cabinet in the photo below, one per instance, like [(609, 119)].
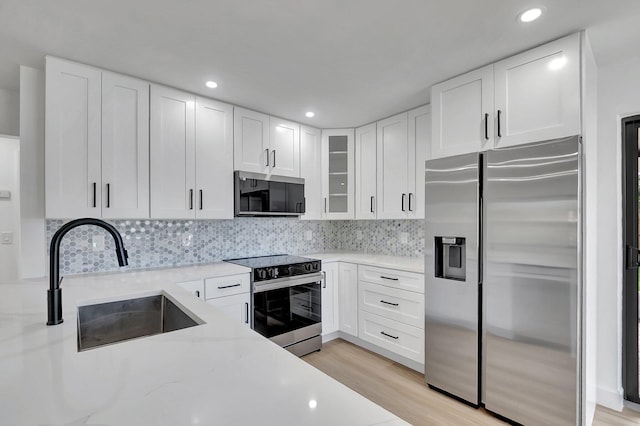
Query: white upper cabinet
[(529, 97), (337, 174), (97, 143), (284, 142), (365, 171), (191, 156), (264, 144), (214, 160), (125, 147), (72, 140), (418, 141), (537, 93), (311, 172), (394, 197), (463, 114), (172, 153), (251, 141)]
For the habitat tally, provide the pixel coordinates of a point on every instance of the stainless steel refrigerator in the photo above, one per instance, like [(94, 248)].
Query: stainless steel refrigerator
[(503, 280)]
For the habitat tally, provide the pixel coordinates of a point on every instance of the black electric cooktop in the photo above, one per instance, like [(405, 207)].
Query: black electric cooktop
[(278, 266)]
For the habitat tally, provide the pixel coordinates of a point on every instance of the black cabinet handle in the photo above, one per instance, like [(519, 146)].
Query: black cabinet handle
[(324, 279), (108, 195), (191, 199), (325, 204), (403, 196), (267, 155), (486, 126), (201, 199), (229, 286), (372, 204), (499, 129), (388, 335), (389, 303), (388, 278), (198, 293), (246, 313), (410, 197), (94, 194), (274, 158)]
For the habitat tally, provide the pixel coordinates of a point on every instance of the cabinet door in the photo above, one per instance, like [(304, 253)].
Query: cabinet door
[(337, 174), (235, 307), (125, 147), (72, 140), (250, 141), (393, 157), (172, 154), (195, 287), (419, 141), (538, 93), (348, 298), (365, 171), (214, 160), (330, 302), (311, 171), (463, 114), (284, 141)]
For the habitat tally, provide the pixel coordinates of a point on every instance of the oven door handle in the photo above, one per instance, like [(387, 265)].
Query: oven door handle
[(287, 282)]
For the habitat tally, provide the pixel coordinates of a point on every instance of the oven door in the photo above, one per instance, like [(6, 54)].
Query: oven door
[(288, 310)]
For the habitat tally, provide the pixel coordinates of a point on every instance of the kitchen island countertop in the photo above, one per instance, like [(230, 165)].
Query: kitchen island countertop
[(220, 372)]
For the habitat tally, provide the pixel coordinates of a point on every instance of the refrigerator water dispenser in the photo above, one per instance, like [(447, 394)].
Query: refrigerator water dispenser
[(451, 258)]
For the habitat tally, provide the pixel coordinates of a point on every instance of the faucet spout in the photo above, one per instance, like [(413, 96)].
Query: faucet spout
[(54, 294)]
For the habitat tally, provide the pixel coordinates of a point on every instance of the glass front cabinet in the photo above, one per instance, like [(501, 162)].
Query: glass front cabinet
[(338, 174)]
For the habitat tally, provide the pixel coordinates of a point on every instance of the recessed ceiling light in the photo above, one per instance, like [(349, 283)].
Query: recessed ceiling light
[(309, 114), (530, 15), (211, 84)]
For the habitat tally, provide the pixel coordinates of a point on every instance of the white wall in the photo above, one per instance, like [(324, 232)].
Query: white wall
[(9, 208), (618, 97), (32, 223), (9, 112)]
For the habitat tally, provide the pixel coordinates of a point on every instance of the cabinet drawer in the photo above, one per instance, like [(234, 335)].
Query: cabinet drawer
[(226, 286), (196, 287), (399, 338), (392, 278), (400, 305)]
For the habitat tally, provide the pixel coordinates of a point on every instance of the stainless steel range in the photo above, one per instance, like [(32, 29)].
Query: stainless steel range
[(285, 294)]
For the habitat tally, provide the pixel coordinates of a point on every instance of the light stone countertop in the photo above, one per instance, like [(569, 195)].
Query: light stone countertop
[(409, 264), (218, 373)]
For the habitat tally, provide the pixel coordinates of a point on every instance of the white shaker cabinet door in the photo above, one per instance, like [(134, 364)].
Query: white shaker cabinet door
[(72, 140), (214, 160), (236, 307), (284, 143), (366, 172), (463, 114), (330, 302), (537, 93), (348, 298), (419, 142), (251, 141), (338, 193), (311, 172), (172, 154), (125, 147), (393, 158)]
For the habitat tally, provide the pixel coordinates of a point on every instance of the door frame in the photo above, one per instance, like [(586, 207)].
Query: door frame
[(630, 354)]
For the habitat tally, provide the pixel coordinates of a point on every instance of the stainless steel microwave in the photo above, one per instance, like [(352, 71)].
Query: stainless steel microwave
[(261, 195)]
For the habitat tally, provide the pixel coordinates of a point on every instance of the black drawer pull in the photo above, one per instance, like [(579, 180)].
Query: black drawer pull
[(388, 335), (197, 293), (388, 278), (228, 286), (389, 303)]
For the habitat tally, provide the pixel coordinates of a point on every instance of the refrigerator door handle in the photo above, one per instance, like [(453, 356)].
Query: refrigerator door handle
[(633, 257)]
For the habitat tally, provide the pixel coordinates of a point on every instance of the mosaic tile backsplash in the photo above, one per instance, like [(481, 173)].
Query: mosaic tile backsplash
[(165, 243)]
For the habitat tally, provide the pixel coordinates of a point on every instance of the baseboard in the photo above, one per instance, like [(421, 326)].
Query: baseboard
[(381, 351), (610, 399), (330, 336)]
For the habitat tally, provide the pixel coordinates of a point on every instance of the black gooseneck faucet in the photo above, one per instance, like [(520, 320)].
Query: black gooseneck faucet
[(54, 294)]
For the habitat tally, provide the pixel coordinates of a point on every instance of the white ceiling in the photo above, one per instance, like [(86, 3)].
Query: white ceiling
[(350, 61)]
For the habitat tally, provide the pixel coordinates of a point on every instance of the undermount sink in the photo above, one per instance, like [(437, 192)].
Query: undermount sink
[(112, 322)]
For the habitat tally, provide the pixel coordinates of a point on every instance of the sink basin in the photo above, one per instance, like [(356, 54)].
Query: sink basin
[(112, 322)]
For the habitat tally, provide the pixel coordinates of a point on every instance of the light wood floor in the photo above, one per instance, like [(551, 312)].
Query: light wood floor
[(403, 391)]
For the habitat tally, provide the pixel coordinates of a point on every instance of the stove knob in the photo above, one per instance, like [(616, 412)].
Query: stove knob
[(273, 273), (262, 273), (307, 267)]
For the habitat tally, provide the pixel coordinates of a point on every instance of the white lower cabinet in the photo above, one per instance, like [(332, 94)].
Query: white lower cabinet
[(195, 287), (403, 339), (330, 301), (393, 303), (236, 306), (348, 298)]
